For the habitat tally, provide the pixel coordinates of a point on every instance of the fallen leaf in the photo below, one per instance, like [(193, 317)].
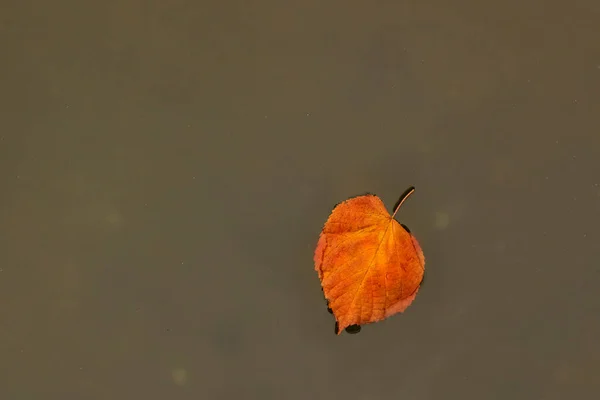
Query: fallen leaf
[(370, 266)]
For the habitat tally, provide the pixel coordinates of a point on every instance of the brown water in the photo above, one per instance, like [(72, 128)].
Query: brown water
[(167, 168)]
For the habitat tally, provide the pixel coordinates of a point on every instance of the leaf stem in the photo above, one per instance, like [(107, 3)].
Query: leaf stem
[(403, 197)]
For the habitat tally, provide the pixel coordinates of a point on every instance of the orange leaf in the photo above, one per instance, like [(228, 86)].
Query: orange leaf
[(370, 266)]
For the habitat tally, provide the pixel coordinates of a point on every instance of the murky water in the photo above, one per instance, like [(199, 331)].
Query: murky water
[(167, 168)]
